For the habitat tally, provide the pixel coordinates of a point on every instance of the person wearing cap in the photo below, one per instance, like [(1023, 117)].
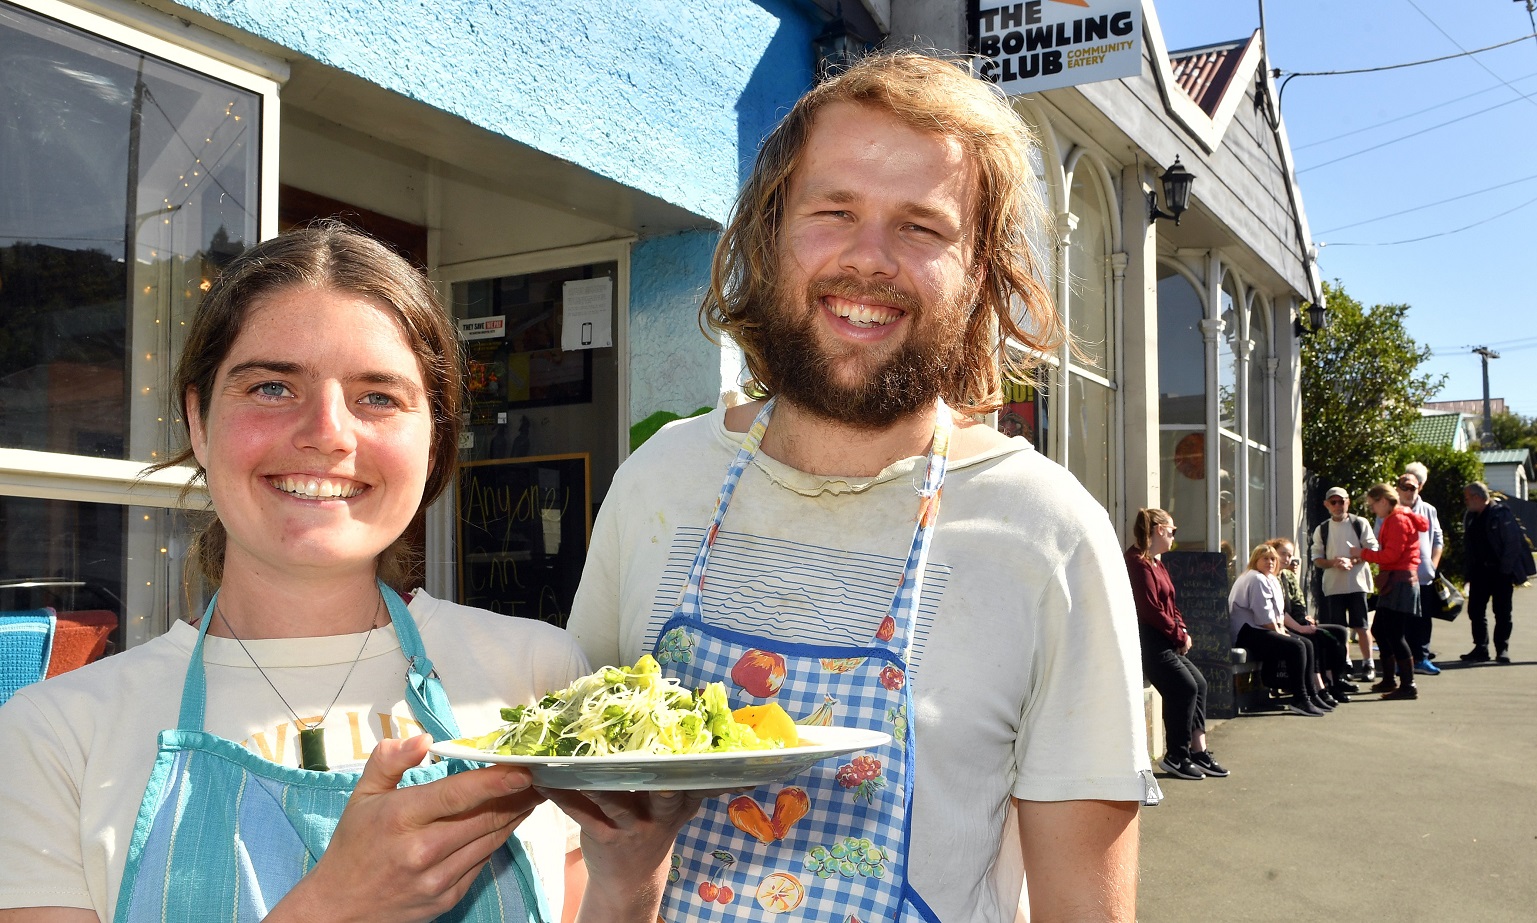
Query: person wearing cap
[(1346, 579), (1410, 483)]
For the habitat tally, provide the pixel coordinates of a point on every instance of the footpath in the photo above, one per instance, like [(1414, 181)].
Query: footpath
[(1380, 811)]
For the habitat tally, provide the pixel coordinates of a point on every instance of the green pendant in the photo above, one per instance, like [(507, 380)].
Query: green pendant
[(312, 749)]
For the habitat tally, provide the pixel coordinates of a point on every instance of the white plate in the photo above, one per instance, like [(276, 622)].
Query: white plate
[(680, 772)]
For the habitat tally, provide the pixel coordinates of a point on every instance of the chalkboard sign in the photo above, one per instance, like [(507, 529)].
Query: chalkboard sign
[(1201, 586), (524, 525)]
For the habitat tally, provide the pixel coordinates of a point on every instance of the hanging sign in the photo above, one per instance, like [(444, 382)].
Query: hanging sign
[(1037, 45)]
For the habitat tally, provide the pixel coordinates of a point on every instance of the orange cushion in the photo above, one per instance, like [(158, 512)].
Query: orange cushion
[(79, 638)]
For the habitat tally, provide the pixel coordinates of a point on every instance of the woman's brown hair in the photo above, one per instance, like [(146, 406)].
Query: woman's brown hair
[(1383, 492), (324, 255), (1142, 529), (941, 98)]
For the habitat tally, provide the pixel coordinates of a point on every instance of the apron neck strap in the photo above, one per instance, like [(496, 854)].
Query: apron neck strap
[(905, 603), (424, 693)]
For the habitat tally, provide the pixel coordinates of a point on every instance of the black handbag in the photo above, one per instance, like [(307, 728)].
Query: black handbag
[(1448, 601)]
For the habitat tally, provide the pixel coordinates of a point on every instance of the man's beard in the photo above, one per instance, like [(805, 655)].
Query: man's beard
[(928, 364)]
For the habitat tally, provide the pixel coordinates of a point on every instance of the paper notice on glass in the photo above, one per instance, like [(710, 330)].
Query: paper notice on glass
[(587, 309)]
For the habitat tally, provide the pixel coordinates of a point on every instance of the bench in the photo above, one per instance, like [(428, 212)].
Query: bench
[(1251, 690)]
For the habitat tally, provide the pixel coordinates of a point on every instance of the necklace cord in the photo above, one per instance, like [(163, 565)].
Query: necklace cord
[(277, 692)]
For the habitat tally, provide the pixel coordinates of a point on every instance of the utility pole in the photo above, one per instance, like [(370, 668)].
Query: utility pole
[(1488, 436)]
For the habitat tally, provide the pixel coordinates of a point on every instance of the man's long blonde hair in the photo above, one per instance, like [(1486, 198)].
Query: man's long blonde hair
[(935, 96)]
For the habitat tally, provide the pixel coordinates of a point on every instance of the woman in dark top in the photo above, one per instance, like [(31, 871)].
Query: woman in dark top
[(1164, 645)]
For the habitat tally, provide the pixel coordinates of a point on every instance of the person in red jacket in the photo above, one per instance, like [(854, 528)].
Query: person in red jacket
[(1164, 645), (1398, 588)]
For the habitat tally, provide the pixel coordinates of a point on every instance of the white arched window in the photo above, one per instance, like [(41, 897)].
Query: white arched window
[(1182, 405), (1229, 485), (1258, 424), (1092, 443)]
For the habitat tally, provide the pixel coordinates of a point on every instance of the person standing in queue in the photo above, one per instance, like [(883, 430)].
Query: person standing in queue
[(321, 385), (1398, 589), (1432, 544), (1165, 642), (876, 267), (1498, 559)]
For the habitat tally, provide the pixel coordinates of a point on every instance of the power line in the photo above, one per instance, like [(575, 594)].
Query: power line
[(1407, 115), (1415, 134), (1414, 240), (1459, 45), (1390, 67), (1429, 205)]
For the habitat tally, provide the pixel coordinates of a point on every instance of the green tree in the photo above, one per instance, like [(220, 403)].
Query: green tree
[(1513, 431), (1361, 389)]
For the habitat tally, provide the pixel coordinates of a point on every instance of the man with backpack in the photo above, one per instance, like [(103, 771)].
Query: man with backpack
[(1346, 579)]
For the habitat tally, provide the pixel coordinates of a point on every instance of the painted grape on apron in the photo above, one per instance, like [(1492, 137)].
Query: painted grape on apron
[(830, 844)]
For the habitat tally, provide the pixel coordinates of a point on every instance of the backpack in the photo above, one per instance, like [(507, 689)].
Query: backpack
[(1318, 543)]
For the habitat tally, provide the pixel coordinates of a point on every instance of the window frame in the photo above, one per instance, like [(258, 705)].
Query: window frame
[(41, 475)]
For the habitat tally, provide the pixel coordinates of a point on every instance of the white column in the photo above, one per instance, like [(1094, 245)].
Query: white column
[(1059, 404)]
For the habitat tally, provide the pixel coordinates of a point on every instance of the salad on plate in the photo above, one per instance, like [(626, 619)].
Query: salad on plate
[(635, 710)]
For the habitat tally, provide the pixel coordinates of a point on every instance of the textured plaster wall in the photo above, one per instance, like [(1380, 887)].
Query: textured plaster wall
[(674, 369), (663, 96)]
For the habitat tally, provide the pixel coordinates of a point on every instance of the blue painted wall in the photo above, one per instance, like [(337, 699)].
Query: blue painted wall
[(674, 369), (666, 96)]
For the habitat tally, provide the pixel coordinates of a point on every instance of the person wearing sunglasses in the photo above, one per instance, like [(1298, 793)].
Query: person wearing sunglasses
[(1165, 642)]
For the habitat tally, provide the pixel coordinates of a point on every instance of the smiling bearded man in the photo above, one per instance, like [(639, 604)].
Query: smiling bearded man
[(877, 266), (928, 363)]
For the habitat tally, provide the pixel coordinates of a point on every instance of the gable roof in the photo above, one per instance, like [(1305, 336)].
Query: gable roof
[(1437, 429), (1206, 73), (1505, 456)]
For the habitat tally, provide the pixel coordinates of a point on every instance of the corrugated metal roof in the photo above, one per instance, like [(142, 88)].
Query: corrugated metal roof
[(1436, 429), (1504, 456), (1205, 72)]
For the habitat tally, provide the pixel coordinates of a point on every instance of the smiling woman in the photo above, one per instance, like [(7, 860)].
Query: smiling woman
[(320, 386)]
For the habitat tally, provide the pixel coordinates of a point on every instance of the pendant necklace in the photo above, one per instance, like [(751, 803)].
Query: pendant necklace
[(312, 737)]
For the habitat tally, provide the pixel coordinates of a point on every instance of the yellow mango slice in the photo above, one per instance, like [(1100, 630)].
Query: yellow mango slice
[(769, 722)]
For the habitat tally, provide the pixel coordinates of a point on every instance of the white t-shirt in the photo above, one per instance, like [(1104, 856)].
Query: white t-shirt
[(79, 747), (1256, 600), (1026, 673), (1340, 539)]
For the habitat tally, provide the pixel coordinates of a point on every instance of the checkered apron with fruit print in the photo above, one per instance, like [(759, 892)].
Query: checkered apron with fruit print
[(830, 844)]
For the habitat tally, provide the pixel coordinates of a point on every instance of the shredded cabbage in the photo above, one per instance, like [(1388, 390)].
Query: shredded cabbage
[(622, 710)]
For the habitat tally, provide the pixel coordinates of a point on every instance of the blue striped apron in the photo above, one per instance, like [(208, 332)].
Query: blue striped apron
[(830, 844), (223, 834)]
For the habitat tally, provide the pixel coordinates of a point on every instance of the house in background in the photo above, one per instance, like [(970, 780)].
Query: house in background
[(1509, 471), (1454, 430)]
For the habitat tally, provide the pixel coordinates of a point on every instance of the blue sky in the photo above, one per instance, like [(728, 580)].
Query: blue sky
[(1396, 143)]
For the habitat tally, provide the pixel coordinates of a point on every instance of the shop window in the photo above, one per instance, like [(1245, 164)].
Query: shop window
[(1088, 262), (1227, 359), (1181, 352), (1090, 430), (1258, 433), (131, 177), (1090, 437), (1182, 406)]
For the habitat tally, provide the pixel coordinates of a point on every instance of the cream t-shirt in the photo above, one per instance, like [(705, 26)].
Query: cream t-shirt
[(1025, 665), (79, 747)]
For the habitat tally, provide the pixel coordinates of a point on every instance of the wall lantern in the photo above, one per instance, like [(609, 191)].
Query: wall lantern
[(1318, 320), (1176, 193)]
